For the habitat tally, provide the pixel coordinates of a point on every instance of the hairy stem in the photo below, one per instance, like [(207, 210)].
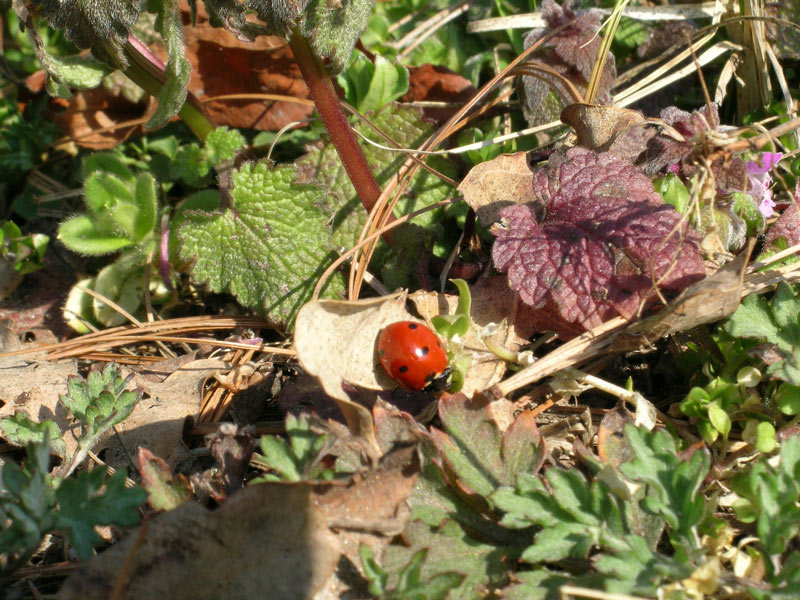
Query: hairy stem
[(147, 71), (333, 117)]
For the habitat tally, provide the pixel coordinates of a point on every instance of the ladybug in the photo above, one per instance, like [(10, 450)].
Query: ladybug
[(413, 356)]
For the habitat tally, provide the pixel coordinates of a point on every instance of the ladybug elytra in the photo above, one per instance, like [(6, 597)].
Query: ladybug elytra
[(413, 356)]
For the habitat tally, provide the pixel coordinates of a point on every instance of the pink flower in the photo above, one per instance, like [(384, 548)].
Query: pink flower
[(760, 180)]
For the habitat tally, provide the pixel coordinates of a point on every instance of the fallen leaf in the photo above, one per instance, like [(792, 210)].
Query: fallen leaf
[(224, 65), (270, 536), (710, 299), (494, 184), (596, 126), (435, 83), (165, 491)]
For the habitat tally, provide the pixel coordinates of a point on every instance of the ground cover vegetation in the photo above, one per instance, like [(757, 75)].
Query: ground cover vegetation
[(211, 210)]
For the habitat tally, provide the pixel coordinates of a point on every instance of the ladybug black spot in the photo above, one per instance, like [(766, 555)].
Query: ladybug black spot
[(403, 369), (412, 326), (424, 350)]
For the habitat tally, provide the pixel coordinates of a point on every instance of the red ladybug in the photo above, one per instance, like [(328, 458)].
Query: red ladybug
[(413, 356)]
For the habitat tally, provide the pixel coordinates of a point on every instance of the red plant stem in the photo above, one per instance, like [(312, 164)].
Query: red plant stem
[(333, 117)]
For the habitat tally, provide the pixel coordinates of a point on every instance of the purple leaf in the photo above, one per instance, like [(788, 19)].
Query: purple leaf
[(664, 151), (787, 227), (607, 237)]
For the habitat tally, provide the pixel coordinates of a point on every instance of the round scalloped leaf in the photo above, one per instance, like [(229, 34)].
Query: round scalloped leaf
[(270, 248)]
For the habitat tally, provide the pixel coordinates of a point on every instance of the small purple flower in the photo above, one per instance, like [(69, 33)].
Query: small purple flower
[(760, 180)]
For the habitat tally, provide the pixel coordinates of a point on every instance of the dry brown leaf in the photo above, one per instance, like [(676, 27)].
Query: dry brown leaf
[(336, 342), (269, 540), (597, 126), (492, 185), (434, 83), (710, 299), (372, 509), (32, 384), (223, 65)]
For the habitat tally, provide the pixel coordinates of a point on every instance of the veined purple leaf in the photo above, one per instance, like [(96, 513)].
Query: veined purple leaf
[(607, 241)]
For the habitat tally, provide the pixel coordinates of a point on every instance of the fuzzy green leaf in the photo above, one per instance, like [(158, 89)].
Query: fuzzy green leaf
[(92, 499), (269, 248), (80, 72), (80, 234), (104, 191), (370, 86), (172, 95), (19, 430), (106, 162), (123, 282), (147, 204), (333, 32), (102, 25)]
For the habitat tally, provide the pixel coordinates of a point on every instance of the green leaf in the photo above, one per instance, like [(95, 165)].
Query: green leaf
[(191, 165), (99, 404), (104, 192), (25, 505), (147, 208), (676, 482), (122, 282), (674, 192), (299, 459), (458, 323), (222, 144), (80, 72), (449, 551), (105, 162), (92, 499), (80, 234), (408, 129), (719, 418), (388, 82), (102, 26), (20, 430), (172, 94), (269, 248), (787, 399)]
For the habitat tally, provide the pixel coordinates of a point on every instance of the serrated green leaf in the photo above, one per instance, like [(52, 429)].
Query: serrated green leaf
[(269, 248), (20, 430), (191, 165), (25, 507), (409, 130), (80, 234), (277, 455), (222, 144), (787, 399), (82, 505), (172, 94), (677, 482)]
